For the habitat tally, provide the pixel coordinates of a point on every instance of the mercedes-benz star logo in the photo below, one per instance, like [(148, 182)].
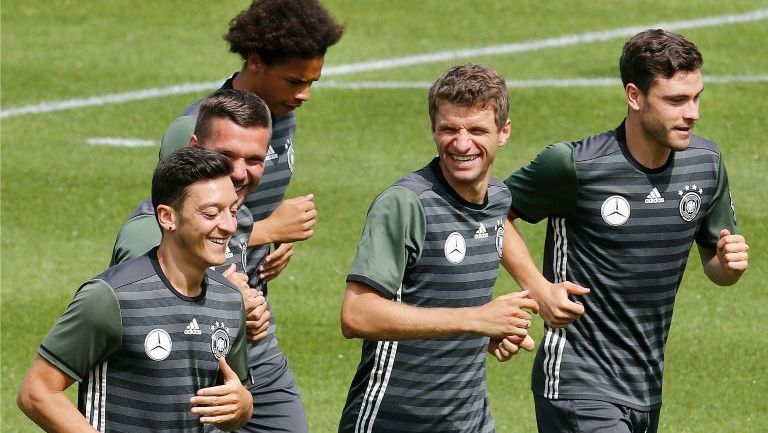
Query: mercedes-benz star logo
[(455, 249), (158, 344), (615, 210)]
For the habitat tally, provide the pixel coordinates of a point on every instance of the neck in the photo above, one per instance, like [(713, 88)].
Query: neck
[(473, 193), (243, 81), (647, 151), (184, 276)]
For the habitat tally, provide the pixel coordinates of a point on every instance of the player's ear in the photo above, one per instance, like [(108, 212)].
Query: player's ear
[(506, 131), (254, 63), (167, 218), (633, 96), (193, 141)]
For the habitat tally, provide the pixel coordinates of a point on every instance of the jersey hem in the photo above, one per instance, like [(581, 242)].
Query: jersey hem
[(599, 397), (58, 363), (371, 283)]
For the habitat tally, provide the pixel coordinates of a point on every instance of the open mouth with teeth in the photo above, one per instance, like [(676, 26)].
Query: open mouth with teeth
[(218, 241), (463, 158)]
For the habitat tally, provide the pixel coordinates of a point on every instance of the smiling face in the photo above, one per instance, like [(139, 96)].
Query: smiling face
[(467, 140), (284, 85), (245, 147), (205, 222), (669, 110)]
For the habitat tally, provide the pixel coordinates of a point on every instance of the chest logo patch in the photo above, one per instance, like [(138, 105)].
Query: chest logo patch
[(499, 235), (158, 344), (220, 341), (615, 210), (690, 202), (455, 248)]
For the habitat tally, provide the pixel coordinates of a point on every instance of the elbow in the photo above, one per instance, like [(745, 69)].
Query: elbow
[(349, 327), (28, 401)]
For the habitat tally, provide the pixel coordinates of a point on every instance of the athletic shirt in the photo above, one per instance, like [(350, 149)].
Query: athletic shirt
[(423, 245), (625, 232), (141, 350), (261, 201)]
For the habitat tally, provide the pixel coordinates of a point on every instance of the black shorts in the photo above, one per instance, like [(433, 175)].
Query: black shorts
[(592, 416)]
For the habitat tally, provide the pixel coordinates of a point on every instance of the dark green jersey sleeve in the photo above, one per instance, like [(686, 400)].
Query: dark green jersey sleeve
[(177, 135), (720, 214), (87, 333), (546, 186), (392, 240), (237, 358), (137, 236)]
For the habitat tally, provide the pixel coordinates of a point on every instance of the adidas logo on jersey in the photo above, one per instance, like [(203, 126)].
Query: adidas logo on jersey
[(271, 154), (481, 232), (654, 197), (192, 328)]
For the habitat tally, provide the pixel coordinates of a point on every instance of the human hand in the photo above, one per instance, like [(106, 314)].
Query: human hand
[(228, 406), (503, 350), (732, 252), (556, 308), (257, 315), (294, 219), (505, 316), (239, 279), (275, 262)]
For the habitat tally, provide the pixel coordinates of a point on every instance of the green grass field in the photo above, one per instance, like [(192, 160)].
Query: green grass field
[(63, 200)]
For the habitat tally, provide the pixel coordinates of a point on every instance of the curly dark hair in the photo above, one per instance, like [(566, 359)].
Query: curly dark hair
[(277, 30)]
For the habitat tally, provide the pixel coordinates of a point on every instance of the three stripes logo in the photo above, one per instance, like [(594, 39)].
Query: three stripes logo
[(654, 197), (481, 232), (271, 154), (193, 328)]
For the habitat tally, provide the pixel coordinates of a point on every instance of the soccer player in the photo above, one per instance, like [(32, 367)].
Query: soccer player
[(624, 209), (419, 292), (282, 44), (147, 339), (235, 124)]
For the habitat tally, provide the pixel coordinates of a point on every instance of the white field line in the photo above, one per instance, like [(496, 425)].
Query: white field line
[(545, 82), (120, 142), (439, 56)]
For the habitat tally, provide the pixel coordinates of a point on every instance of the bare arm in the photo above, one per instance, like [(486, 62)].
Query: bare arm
[(365, 313), (42, 399), (557, 309), (725, 263)]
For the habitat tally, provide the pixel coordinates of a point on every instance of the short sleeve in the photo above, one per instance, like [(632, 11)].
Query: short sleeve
[(392, 240), (237, 358), (88, 332), (546, 186), (137, 236), (720, 214), (177, 135)]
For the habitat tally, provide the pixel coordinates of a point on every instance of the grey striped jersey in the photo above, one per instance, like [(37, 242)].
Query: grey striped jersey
[(141, 350), (625, 232), (423, 245), (262, 200)]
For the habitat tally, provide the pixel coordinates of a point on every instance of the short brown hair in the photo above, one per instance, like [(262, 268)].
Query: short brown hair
[(657, 53), (471, 85), (244, 109)]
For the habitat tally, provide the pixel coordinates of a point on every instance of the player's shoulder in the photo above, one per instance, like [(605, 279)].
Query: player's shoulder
[(177, 135), (126, 273), (596, 146), (703, 144)]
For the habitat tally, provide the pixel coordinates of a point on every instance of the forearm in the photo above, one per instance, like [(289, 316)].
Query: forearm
[(370, 316), (261, 234), (517, 260)]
